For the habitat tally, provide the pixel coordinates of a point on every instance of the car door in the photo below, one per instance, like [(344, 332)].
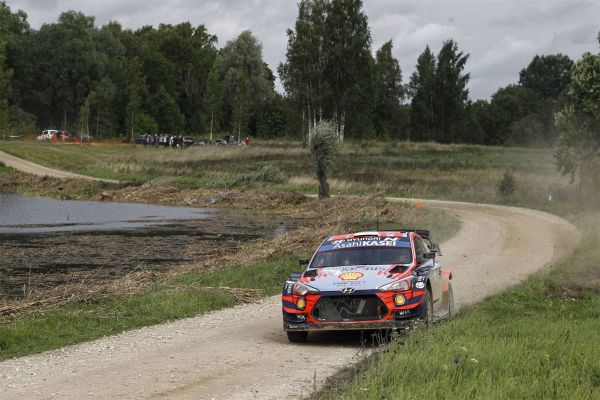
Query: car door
[(435, 271)]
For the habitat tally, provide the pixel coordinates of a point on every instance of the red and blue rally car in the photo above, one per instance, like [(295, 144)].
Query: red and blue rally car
[(368, 280)]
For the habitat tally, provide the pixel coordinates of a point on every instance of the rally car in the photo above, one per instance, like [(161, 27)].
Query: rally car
[(368, 280)]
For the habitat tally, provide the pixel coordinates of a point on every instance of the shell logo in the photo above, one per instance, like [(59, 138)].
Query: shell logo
[(351, 276)]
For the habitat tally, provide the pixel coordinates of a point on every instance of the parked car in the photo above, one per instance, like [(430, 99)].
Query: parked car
[(48, 134), (368, 280), (141, 139)]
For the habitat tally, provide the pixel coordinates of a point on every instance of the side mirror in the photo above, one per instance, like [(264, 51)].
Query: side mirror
[(436, 248), (303, 261), (429, 255)]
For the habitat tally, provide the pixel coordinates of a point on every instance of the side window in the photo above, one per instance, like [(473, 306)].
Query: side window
[(425, 246), (419, 250)]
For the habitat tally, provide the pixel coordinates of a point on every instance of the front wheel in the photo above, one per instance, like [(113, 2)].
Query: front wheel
[(297, 336), (427, 318)]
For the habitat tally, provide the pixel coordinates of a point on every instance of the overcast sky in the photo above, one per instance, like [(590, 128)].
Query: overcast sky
[(501, 36)]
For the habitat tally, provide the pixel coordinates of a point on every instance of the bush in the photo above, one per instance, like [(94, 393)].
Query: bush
[(268, 173), (508, 185), (528, 131), (323, 145)]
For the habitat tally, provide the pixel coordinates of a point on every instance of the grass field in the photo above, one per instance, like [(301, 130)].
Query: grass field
[(518, 345), (536, 341), (456, 172)]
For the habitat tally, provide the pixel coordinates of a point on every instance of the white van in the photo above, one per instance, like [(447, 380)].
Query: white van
[(48, 134)]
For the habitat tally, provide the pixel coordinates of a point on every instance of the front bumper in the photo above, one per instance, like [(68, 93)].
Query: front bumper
[(350, 326), (398, 319)]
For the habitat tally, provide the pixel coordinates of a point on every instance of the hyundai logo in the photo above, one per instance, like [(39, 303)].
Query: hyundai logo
[(348, 290)]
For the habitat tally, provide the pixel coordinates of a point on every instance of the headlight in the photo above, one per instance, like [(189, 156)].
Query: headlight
[(302, 290), (404, 284)]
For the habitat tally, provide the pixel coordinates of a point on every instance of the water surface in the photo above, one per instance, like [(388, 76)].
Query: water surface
[(24, 214)]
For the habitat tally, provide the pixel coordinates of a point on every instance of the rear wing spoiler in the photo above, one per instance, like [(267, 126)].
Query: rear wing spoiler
[(421, 232), (424, 233)]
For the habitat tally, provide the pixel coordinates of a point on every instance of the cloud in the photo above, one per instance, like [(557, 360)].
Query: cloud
[(532, 13), (509, 50)]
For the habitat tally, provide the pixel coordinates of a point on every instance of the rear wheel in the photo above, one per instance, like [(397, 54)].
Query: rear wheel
[(297, 336)]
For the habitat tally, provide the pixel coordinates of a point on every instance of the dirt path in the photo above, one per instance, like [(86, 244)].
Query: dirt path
[(36, 169), (242, 353)]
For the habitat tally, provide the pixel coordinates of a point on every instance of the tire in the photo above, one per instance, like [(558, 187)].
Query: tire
[(427, 318), (451, 309), (297, 336)]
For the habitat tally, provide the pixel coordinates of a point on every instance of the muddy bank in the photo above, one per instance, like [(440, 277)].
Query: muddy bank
[(65, 242), (173, 195), (37, 262)]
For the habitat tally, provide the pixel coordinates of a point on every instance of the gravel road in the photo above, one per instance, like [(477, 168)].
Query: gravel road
[(242, 352), (36, 169)]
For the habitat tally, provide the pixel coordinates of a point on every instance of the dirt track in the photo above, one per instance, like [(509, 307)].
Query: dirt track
[(242, 353), (36, 169)]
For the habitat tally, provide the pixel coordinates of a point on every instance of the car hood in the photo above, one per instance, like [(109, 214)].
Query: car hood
[(359, 277)]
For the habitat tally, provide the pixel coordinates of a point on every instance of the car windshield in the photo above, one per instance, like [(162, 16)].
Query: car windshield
[(362, 256)]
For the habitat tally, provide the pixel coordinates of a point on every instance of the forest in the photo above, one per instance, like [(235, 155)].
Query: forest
[(113, 81)]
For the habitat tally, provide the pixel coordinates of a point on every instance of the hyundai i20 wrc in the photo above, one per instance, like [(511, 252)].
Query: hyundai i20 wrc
[(368, 280)]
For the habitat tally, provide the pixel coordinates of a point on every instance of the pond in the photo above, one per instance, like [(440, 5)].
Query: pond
[(46, 242)]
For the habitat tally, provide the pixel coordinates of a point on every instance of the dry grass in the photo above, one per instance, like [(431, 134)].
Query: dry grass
[(210, 153), (453, 172)]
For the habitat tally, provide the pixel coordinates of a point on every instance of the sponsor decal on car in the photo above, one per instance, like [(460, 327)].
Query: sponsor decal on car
[(350, 283), (341, 244), (351, 276), (364, 242)]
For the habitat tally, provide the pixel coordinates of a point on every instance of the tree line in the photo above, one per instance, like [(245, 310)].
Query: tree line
[(110, 80), (115, 81)]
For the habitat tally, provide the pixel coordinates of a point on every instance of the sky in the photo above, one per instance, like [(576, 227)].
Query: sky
[(501, 36)]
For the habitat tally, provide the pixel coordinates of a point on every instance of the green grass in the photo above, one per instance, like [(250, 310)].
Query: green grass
[(518, 345), (77, 323), (582, 269), (4, 169), (537, 341)]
